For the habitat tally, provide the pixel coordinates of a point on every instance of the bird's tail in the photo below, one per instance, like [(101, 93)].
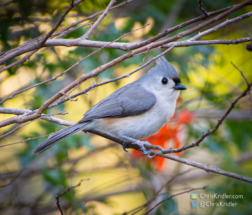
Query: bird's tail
[(58, 136)]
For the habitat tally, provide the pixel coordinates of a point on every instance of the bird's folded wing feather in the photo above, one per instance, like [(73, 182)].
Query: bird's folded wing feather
[(129, 100)]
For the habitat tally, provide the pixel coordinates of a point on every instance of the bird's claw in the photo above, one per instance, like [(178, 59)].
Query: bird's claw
[(149, 156), (145, 151), (141, 145), (125, 144)]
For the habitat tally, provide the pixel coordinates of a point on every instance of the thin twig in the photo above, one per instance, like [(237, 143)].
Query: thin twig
[(188, 43), (74, 29), (203, 167), (66, 191), (105, 12), (248, 84), (71, 6), (25, 58), (11, 180), (89, 17), (10, 144), (223, 24), (67, 95), (201, 8), (18, 127)]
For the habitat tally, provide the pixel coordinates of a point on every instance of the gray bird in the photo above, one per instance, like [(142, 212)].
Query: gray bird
[(135, 111)]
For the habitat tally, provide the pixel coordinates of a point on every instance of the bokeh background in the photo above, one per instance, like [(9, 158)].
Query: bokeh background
[(116, 182)]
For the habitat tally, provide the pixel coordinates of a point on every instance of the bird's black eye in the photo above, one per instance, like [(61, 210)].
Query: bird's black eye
[(164, 80)]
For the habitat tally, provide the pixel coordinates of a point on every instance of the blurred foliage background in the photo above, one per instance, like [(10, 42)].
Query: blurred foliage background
[(116, 182)]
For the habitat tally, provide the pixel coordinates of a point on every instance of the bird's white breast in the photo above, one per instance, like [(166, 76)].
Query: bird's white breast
[(143, 125)]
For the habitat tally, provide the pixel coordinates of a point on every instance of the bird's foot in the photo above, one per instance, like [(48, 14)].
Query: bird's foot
[(141, 145), (145, 151)]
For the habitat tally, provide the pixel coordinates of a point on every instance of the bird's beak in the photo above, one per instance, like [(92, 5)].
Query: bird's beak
[(179, 87)]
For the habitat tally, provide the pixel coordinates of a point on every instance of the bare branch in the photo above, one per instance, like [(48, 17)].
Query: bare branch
[(11, 180), (66, 191), (18, 127), (207, 42), (248, 84), (204, 167), (87, 34), (16, 119), (71, 6), (22, 141), (22, 60), (89, 17), (223, 24), (131, 46), (201, 8), (74, 29)]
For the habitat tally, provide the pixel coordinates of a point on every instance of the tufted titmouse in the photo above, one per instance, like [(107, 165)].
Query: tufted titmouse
[(135, 111)]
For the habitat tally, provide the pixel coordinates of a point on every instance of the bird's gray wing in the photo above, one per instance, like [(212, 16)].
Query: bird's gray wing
[(129, 100)]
